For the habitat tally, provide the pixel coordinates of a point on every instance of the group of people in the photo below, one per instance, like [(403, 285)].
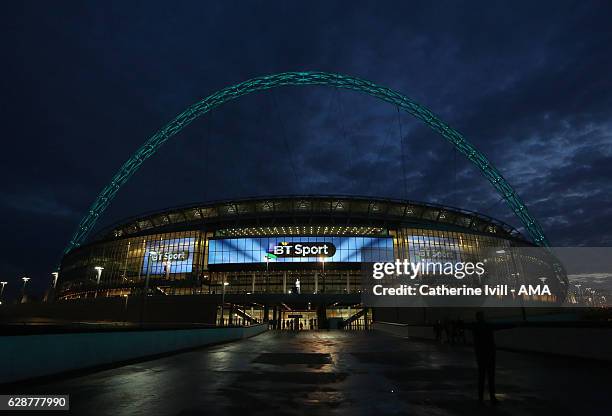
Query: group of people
[(293, 324), (484, 347), (450, 331)]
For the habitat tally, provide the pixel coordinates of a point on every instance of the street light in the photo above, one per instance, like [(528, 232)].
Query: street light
[(590, 298), (2, 289), (543, 280), (25, 281), (55, 276), (98, 270), (578, 292), (223, 301)]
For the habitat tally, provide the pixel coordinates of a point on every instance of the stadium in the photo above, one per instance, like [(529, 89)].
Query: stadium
[(294, 261), (286, 260)]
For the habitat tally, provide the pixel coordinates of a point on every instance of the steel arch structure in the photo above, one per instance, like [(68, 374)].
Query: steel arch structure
[(267, 82)]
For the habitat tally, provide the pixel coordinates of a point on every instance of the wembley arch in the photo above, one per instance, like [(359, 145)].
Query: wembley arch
[(340, 81)]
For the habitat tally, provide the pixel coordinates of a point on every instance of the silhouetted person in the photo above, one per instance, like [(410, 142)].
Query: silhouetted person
[(438, 330), (448, 331), (461, 331), (484, 346)]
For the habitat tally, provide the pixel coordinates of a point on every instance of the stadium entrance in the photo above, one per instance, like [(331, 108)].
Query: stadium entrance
[(285, 316), (299, 321)]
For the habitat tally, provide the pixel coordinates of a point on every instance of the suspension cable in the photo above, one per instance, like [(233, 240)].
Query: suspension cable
[(399, 122), (206, 156), (380, 152), (455, 184), (285, 141), (343, 131)]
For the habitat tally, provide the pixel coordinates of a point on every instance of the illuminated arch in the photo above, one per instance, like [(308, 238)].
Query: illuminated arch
[(306, 78)]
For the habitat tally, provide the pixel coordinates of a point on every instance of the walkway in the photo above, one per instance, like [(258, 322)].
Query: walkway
[(337, 372)]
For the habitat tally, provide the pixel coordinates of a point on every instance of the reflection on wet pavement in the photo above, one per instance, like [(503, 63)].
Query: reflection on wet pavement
[(336, 372)]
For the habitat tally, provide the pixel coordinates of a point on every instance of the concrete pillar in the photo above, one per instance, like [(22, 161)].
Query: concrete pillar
[(348, 282), (316, 277), (266, 313), (284, 282), (322, 317), (253, 284), (275, 317)]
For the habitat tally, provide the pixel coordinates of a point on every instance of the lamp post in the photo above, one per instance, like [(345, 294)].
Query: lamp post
[(543, 280), (503, 260), (125, 305), (590, 298), (578, 292), (55, 276), (517, 283), (2, 289), (223, 301), (25, 282), (98, 270)]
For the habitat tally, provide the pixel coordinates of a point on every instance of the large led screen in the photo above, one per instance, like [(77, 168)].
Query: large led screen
[(169, 256), (300, 249)]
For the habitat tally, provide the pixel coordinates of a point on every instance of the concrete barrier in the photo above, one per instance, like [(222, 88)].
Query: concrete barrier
[(591, 342), (405, 330), (27, 356)]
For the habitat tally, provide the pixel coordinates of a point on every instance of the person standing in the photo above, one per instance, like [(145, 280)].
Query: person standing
[(484, 347), (438, 331)]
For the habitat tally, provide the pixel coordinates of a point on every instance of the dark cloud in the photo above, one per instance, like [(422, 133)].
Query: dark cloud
[(84, 84)]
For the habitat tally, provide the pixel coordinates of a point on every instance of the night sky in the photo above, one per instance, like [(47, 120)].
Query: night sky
[(84, 84)]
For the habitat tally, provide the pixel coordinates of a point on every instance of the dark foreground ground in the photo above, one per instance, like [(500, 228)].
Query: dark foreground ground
[(336, 372)]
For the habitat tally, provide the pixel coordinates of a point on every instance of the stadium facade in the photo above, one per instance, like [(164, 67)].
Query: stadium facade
[(289, 260)]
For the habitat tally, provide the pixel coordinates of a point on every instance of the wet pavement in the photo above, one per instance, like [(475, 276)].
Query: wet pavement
[(337, 372)]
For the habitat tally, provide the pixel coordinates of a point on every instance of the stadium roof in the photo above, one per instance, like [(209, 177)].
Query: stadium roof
[(311, 207)]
